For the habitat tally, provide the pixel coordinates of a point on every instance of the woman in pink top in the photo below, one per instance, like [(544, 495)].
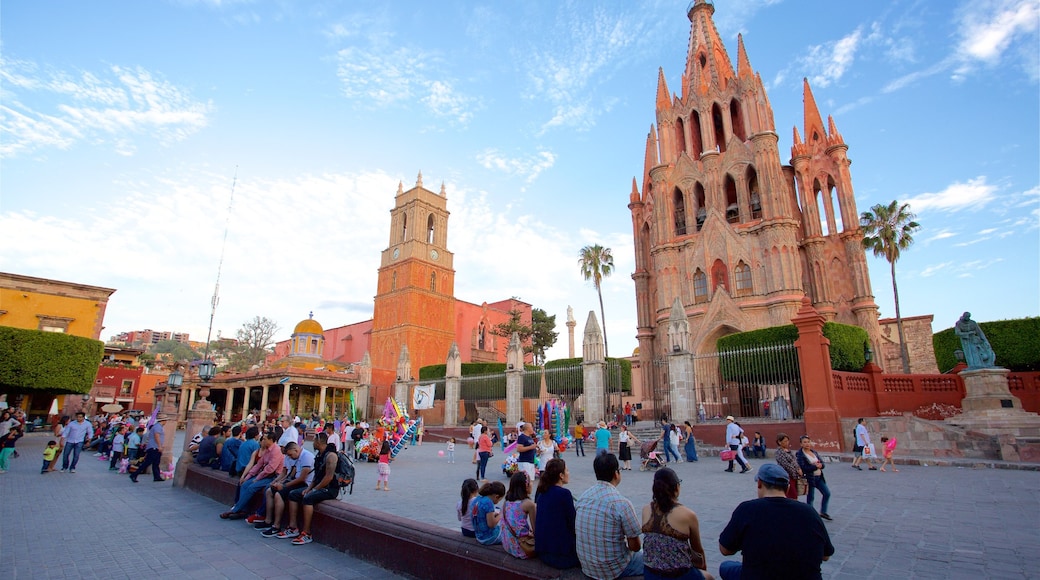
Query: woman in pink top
[(483, 451)]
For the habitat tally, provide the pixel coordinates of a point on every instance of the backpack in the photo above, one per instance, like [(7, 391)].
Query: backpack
[(344, 476)]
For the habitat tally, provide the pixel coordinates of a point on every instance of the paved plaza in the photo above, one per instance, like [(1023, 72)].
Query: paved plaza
[(923, 522)]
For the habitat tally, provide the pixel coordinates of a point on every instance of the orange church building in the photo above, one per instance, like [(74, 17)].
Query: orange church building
[(415, 304)]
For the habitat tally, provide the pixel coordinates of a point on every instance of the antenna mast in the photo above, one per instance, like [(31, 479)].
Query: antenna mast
[(216, 290)]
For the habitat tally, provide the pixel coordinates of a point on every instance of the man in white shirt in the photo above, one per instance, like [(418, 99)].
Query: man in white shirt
[(330, 428), (289, 432), (733, 433), (862, 441)]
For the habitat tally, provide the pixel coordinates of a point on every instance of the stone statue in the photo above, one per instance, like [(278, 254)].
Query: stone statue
[(977, 351), (570, 314)]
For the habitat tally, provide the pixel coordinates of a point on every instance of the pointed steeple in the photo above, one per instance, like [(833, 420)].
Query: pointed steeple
[(634, 196), (400, 187), (650, 159), (443, 191), (797, 137), (832, 130), (664, 98), (813, 123), (706, 49), (744, 69), (418, 180)]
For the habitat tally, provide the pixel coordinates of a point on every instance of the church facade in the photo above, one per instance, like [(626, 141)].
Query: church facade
[(724, 228)]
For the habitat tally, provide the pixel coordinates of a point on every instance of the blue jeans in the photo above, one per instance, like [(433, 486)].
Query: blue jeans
[(635, 566), (670, 451), (730, 570), (820, 484), (250, 488), (579, 446), (151, 459), (74, 449), (482, 466)]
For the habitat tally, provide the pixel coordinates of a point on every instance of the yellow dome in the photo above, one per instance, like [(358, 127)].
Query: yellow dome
[(308, 326)]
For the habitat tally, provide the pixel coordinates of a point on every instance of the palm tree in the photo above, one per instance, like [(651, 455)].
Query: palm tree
[(887, 231), (596, 263)]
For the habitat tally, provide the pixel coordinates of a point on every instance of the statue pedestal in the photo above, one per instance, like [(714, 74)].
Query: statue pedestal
[(198, 418), (991, 409)]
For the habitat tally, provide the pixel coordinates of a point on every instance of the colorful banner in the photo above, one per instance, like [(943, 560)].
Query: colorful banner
[(422, 396)]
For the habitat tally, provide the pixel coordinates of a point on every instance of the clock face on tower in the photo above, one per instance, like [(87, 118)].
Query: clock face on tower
[(397, 253), (434, 255)]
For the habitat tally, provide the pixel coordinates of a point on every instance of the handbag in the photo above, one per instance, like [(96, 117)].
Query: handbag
[(526, 542), (803, 485), (727, 455)]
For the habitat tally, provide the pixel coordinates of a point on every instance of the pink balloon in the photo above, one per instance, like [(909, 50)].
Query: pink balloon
[(441, 453)]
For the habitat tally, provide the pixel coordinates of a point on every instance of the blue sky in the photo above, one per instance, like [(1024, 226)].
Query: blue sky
[(124, 124)]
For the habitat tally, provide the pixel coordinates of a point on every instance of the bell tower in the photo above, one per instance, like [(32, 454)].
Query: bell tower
[(415, 295)]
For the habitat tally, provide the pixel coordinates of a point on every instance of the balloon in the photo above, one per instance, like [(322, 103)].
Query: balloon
[(440, 453)]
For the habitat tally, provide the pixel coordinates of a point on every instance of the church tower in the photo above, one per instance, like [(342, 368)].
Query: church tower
[(415, 296), (723, 226)]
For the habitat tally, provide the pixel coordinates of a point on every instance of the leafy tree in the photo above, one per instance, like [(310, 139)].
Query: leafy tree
[(543, 334), (596, 263), (179, 351), (514, 324), (887, 231), (254, 339)]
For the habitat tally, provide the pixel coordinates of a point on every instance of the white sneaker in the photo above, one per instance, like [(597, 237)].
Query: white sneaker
[(72, 471), (63, 470)]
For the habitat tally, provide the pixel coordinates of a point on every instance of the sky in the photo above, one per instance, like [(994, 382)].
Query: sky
[(133, 135)]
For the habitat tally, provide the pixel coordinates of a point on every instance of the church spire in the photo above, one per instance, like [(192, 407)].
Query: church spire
[(418, 180), (814, 130), (832, 130), (706, 49), (744, 69), (664, 98), (634, 196), (650, 160)]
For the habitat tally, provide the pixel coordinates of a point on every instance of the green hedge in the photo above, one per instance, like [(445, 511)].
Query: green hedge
[(51, 361), (1015, 342), (846, 348), (568, 387)]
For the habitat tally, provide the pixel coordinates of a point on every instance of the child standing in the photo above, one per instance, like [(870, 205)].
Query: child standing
[(7, 447), (118, 447), (451, 450), (890, 447), (384, 466), (49, 453)]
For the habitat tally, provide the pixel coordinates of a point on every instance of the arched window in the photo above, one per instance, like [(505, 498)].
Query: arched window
[(393, 281), (736, 120), (680, 137), (732, 209), (429, 229), (404, 227), (742, 277), (700, 287), (644, 248), (695, 134), (702, 212), (754, 198), (821, 210), (835, 213), (720, 128), (433, 281), (679, 203)]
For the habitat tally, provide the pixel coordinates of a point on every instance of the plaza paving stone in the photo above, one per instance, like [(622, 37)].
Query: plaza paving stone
[(926, 521)]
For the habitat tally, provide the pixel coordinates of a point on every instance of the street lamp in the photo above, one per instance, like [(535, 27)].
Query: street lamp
[(175, 380), (207, 370), (868, 354)]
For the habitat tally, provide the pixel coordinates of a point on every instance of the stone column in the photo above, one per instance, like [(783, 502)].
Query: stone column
[(284, 400), (321, 401), (821, 415), (245, 403), (364, 385), (404, 369), (680, 365), (191, 398), (514, 380), (452, 386), (571, 323), (199, 417), (264, 398), (593, 367)]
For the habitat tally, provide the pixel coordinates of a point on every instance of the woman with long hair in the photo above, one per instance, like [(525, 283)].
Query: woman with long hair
[(554, 532), (518, 515), (785, 458), (625, 441), (812, 465), (672, 536), (691, 444)]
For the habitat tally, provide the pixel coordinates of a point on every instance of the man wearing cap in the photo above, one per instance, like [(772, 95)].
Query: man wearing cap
[(153, 446), (757, 525), (526, 446), (733, 433)]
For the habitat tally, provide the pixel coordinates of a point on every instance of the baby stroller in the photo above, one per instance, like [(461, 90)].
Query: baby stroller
[(648, 453)]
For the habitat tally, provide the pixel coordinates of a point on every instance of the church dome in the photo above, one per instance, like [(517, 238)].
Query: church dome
[(308, 326)]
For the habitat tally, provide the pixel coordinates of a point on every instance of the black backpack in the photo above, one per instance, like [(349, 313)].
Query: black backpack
[(344, 476)]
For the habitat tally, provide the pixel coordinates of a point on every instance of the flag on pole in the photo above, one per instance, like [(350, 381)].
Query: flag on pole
[(353, 409), (422, 397)]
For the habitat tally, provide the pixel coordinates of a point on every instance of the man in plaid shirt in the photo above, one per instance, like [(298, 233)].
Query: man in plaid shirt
[(606, 526)]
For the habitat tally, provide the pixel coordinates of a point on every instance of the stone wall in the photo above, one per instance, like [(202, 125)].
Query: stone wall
[(921, 438), (918, 332)]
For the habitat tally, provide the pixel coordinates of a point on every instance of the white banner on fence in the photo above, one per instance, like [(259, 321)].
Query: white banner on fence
[(422, 397)]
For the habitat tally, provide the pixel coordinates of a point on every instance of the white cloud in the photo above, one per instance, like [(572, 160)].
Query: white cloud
[(988, 29), (957, 196), (831, 60), (116, 109), (931, 270), (399, 77), (940, 235), (529, 167)]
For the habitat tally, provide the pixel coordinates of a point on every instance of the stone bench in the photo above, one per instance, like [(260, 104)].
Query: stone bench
[(416, 548)]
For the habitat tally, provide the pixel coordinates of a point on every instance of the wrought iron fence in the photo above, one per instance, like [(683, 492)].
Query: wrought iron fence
[(761, 381)]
